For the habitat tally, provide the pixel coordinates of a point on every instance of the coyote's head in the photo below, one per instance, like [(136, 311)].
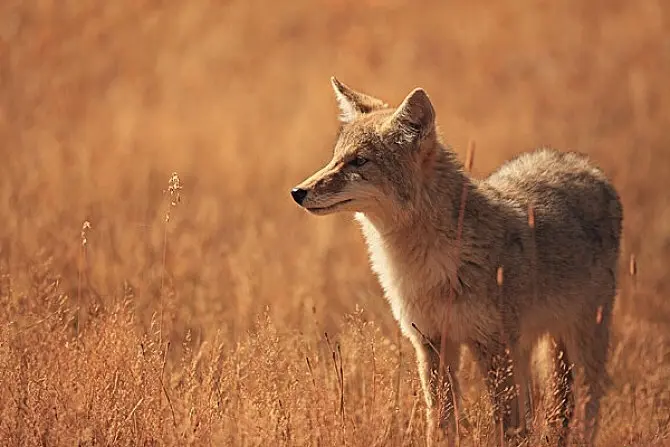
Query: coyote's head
[(378, 158)]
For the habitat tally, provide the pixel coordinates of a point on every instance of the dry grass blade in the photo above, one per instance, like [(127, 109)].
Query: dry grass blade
[(132, 412), (459, 232), (81, 265), (173, 192)]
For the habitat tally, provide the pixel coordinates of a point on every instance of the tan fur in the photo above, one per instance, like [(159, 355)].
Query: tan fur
[(390, 168)]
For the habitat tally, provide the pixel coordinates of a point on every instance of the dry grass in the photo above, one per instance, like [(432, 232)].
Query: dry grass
[(101, 101)]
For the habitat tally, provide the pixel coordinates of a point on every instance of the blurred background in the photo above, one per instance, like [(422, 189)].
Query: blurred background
[(100, 102)]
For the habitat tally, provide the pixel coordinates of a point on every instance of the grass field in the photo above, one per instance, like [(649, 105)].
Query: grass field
[(136, 309)]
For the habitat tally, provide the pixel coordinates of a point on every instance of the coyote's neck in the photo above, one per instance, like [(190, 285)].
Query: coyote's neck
[(422, 242), (433, 211)]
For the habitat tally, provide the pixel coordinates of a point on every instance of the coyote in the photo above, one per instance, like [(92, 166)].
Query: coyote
[(532, 251)]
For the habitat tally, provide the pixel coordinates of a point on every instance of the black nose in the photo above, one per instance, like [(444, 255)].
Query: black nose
[(298, 195)]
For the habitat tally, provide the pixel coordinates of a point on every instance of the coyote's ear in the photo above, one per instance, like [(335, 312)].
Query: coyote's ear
[(415, 117), (353, 103)]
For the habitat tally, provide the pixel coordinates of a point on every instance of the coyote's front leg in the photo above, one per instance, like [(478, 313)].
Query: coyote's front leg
[(442, 395)]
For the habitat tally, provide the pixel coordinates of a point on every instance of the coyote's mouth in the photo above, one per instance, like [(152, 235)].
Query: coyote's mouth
[(327, 209)]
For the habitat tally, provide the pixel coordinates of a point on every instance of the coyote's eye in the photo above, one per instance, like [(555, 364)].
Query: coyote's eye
[(358, 162)]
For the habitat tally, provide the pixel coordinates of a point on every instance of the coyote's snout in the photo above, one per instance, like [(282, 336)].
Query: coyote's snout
[(390, 168)]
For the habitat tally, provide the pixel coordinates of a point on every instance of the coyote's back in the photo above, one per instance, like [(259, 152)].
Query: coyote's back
[(574, 197), (564, 260)]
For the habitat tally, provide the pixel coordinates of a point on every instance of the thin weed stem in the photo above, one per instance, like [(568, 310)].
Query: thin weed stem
[(80, 270), (469, 160), (500, 279), (174, 191)]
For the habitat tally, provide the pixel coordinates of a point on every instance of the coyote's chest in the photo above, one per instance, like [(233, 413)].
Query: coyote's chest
[(415, 285)]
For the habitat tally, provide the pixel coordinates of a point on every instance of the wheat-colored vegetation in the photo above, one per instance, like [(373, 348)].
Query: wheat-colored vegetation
[(140, 309)]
